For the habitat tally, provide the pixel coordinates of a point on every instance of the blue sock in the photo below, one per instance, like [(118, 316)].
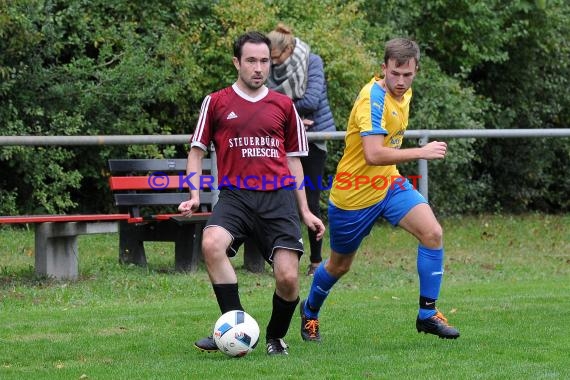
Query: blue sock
[(430, 271), (320, 288)]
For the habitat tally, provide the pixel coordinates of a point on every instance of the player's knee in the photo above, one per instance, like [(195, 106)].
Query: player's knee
[(433, 237), (338, 268), (287, 281), (342, 270), (212, 245)]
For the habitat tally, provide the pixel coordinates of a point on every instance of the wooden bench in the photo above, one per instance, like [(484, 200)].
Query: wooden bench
[(149, 191), (140, 186), (145, 214), (56, 252)]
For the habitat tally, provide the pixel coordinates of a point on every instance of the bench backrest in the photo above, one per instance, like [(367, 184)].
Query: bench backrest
[(138, 184)]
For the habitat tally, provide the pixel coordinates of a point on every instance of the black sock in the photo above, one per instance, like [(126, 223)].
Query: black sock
[(280, 317), (427, 303), (228, 297)]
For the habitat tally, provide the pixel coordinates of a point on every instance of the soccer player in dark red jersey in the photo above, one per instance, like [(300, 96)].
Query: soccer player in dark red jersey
[(258, 137)]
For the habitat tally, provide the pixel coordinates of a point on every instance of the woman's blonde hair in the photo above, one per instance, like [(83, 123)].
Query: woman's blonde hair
[(281, 37)]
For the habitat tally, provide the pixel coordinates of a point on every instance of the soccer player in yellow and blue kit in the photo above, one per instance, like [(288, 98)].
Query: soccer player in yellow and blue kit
[(368, 186)]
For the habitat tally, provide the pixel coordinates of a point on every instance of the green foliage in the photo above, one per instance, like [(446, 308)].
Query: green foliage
[(442, 103), (530, 91), (346, 70), (513, 57), (92, 67), (448, 31)]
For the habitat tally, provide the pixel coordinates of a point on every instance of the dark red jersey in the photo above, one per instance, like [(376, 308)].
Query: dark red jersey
[(252, 137)]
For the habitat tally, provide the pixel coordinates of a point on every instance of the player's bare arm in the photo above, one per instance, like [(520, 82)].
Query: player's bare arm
[(194, 165), (375, 153), (310, 220)]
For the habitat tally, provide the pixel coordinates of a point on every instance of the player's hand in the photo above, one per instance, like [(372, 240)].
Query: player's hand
[(315, 224), (434, 150), (308, 123), (186, 208)]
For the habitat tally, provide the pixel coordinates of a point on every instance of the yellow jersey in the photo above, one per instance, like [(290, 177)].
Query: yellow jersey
[(357, 185)]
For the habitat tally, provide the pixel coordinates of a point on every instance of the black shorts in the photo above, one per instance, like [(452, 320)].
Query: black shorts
[(270, 217)]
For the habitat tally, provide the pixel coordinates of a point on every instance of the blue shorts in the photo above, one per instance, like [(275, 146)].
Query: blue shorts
[(347, 228)]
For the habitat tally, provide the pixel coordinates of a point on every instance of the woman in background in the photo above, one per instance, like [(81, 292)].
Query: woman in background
[(299, 74)]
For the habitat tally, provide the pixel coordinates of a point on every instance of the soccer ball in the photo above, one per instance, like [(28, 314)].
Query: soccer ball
[(236, 333)]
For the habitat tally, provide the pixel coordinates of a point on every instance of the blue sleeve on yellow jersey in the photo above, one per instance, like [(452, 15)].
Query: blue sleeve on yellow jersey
[(377, 95)]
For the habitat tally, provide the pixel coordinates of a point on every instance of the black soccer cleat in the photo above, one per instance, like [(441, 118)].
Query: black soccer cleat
[(276, 346), (437, 325), (309, 326), (206, 344)]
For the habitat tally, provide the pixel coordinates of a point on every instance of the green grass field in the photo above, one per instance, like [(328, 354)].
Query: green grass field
[(506, 288)]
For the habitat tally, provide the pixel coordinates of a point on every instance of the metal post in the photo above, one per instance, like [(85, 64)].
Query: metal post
[(215, 191), (423, 170)]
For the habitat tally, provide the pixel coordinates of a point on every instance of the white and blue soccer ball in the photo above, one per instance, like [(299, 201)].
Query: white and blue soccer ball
[(236, 333)]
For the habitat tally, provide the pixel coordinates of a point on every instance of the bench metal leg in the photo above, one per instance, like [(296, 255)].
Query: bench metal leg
[(253, 260), (131, 247), (187, 239), (188, 247), (197, 249)]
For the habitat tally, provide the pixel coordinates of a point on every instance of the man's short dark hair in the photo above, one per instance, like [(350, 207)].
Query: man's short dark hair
[(402, 50), (252, 37)]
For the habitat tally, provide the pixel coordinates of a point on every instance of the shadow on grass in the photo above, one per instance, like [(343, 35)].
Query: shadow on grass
[(23, 277)]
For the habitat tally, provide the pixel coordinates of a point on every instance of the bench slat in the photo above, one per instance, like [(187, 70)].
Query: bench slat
[(61, 218), (144, 183), (139, 186), (170, 182), (140, 165), (196, 217), (149, 199)]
